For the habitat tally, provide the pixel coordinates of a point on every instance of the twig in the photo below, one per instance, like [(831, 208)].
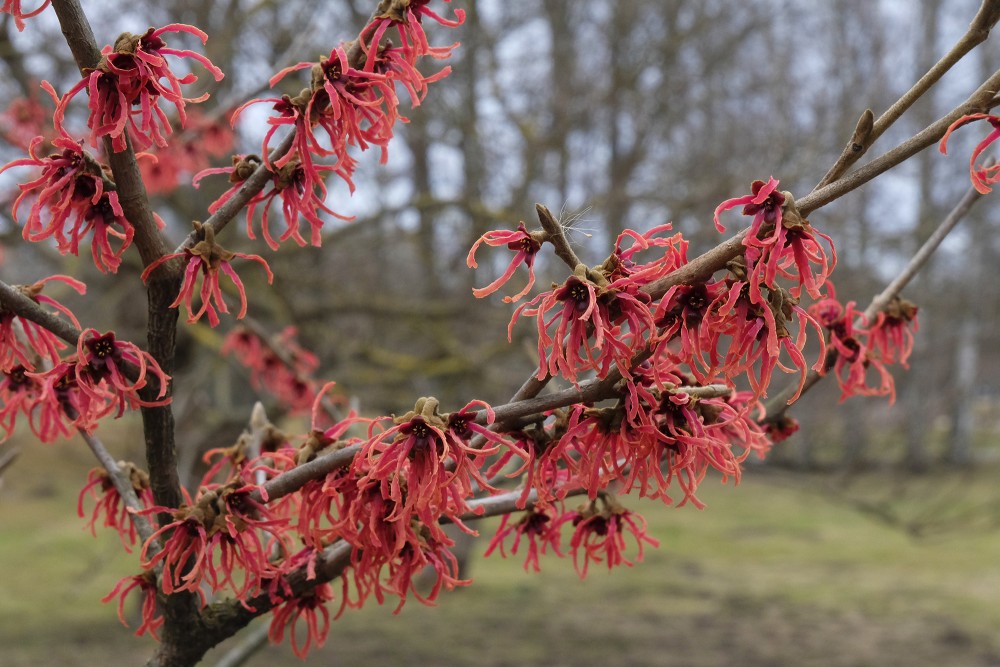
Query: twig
[(557, 237), (869, 130), (13, 300), (124, 487), (923, 255), (979, 101), (253, 642)]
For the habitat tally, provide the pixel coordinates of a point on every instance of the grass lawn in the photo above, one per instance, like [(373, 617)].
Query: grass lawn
[(774, 572)]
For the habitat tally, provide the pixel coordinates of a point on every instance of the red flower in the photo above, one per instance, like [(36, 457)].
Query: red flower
[(129, 82), (758, 333), (891, 336), (209, 258), (424, 463), (525, 246), (792, 243), (407, 17), (430, 551), (23, 120), (19, 394), (781, 429), (764, 204), (982, 176), (853, 359), (217, 541), (588, 333), (301, 191), (62, 401), (282, 366)]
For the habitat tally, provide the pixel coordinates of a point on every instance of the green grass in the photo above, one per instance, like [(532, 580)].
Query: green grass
[(777, 571)]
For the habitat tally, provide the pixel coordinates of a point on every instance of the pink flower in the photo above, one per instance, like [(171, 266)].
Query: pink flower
[(63, 402), (13, 7), (25, 343), (301, 191), (431, 551), (525, 246), (982, 176), (407, 17), (424, 463), (110, 508), (891, 336), (764, 204), (538, 527), (310, 607), (778, 244), (188, 153), (208, 258), (217, 541), (758, 333), (781, 429), (101, 359), (23, 120), (70, 199), (128, 83), (853, 359), (599, 535), (19, 393), (145, 584), (350, 106), (588, 315), (280, 366)]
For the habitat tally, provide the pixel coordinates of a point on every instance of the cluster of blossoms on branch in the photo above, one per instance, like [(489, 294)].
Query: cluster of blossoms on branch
[(58, 392)]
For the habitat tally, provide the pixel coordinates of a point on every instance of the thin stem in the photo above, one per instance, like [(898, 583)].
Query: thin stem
[(123, 485), (979, 101), (923, 255), (14, 301), (248, 646), (557, 237)]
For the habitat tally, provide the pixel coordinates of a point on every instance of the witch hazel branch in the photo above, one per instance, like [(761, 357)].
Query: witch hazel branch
[(663, 362)]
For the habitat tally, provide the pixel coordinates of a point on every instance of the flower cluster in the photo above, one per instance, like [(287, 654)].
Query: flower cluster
[(109, 507), (103, 376), (190, 152), (24, 119), (860, 351), (279, 365), (72, 196), (351, 100), (127, 85)]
